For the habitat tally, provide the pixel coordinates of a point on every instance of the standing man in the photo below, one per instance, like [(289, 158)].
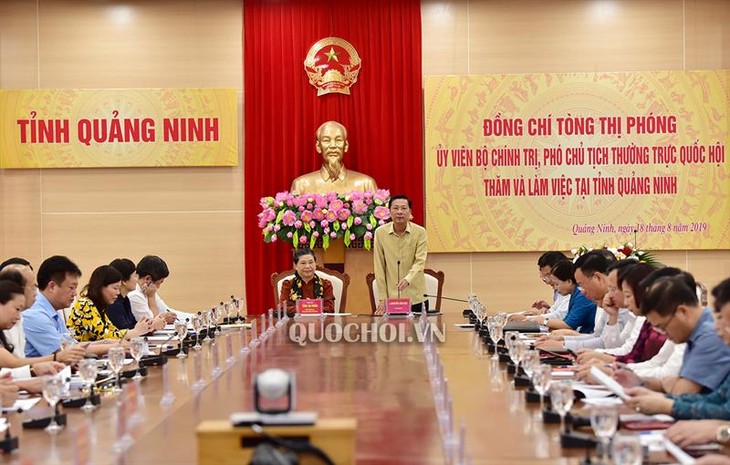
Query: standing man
[(400, 252)]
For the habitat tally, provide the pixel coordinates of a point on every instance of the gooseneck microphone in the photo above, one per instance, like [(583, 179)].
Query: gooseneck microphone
[(398, 282), (445, 298), (162, 346)]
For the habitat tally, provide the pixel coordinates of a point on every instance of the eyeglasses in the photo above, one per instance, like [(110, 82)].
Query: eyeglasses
[(662, 328)]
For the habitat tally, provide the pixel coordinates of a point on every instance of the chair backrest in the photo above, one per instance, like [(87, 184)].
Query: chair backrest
[(340, 283), (434, 286)]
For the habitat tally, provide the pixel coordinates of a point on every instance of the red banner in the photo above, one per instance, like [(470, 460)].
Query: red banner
[(383, 113)]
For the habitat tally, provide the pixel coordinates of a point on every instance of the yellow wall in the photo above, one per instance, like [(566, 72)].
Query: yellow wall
[(193, 217)]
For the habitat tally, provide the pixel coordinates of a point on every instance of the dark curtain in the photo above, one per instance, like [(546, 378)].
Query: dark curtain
[(383, 114)]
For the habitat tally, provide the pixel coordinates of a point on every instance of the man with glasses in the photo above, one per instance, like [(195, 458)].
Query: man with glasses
[(672, 307)]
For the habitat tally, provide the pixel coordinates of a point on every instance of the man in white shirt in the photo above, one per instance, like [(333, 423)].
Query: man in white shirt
[(145, 299)]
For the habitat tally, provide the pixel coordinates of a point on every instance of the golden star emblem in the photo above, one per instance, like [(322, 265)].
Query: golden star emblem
[(332, 55)]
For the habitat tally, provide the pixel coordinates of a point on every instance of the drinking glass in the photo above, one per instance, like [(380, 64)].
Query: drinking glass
[(227, 313), (181, 328), (67, 340), (52, 389), (237, 303), (205, 322), (530, 360), (627, 450), (541, 380), (510, 341), (604, 421), (490, 328), (197, 324), (88, 370), (519, 354), (561, 397), (116, 363), (136, 348)]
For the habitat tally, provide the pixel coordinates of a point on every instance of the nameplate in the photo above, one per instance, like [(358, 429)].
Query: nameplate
[(398, 306), (309, 307)]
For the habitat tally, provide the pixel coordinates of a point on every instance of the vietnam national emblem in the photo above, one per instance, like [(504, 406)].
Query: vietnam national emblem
[(332, 65)]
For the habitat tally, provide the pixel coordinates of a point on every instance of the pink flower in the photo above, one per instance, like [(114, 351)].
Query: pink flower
[(288, 218), (274, 238), (381, 222), (324, 223), (333, 235), (381, 213), (331, 216), (310, 206), (336, 205), (343, 225), (357, 221), (368, 236), (297, 224), (320, 201), (268, 215), (326, 230), (357, 195), (359, 207), (382, 195), (369, 227), (318, 214), (315, 234), (301, 209), (352, 237), (277, 227), (306, 216), (312, 224), (302, 239), (331, 197), (300, 200), (281, 197), (343, 214), (289, 235)]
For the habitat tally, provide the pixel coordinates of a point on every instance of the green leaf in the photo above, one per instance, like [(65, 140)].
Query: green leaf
[(312, 241), (336, 226), (350, 220), (347, 240), (367, 244), (295, 238), (278, 217), (325, 241), (372, 220), (307, 227)]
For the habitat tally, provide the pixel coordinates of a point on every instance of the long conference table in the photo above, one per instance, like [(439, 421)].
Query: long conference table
[(384, 385)]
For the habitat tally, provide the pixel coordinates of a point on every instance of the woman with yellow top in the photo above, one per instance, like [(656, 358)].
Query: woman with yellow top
[(89, 321)]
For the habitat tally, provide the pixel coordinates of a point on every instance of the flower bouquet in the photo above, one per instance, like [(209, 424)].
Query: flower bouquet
[(304, 219), (622, 252)]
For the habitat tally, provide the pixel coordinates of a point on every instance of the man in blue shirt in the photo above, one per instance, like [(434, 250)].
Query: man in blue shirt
[(671, 306), (58, 279)]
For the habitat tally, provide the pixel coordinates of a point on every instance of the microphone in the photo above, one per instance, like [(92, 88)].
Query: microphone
[(162, 346), (398, 282), (446, 298)]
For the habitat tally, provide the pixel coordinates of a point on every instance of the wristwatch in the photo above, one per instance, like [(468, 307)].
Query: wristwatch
[(723, 434)]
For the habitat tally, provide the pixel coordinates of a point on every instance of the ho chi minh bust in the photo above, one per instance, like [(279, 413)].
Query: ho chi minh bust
[(332, 176)]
